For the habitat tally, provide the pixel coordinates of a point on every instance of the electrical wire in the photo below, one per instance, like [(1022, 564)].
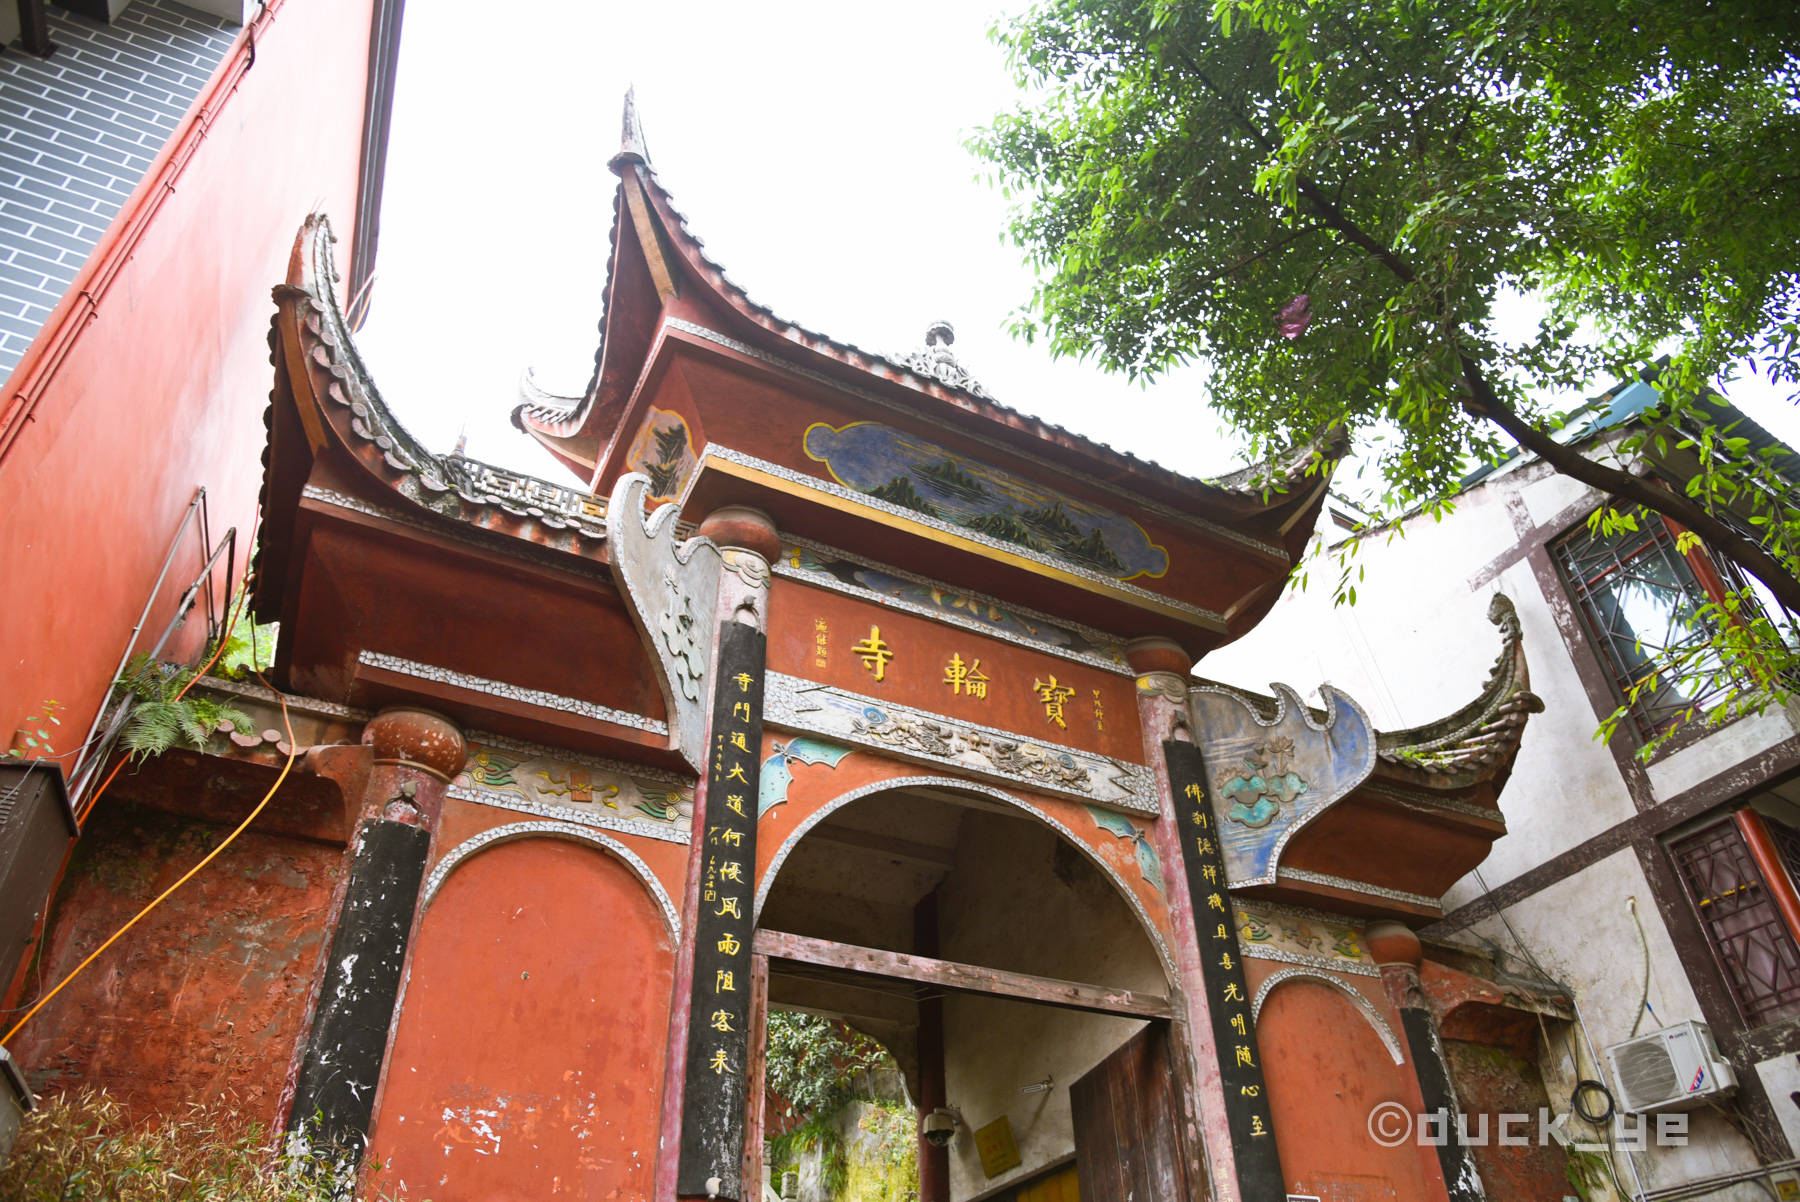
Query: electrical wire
[(1644, 994), (293, 754), (1612, 1163)]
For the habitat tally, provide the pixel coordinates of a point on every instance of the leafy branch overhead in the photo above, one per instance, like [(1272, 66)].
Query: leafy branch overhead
[(1330, 203)]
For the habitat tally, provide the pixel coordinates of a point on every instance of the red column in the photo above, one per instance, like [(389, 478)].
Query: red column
[(1755, 831)]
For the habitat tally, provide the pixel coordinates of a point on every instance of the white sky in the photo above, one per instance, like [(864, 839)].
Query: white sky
[(816, 147)]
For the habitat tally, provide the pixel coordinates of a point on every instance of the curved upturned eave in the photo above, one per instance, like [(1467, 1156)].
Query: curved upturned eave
[(1479, 742), (321, 375), (1280, 491), (1277, 500)]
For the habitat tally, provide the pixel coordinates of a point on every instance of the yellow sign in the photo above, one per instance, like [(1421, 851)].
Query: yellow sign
[(999, 1151)]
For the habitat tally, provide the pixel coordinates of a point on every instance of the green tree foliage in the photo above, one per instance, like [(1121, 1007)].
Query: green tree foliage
[(1329, 202), (1190, 170), (814, 1062), (249, 646)]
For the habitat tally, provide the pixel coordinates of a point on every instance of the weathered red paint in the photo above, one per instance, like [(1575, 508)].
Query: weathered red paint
[(463, 820), (204, 998), (162, 388), (1490, 1082), (529, 1053), (1327, 1069)]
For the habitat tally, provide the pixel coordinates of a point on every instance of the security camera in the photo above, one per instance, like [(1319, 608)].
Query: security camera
[(939, 1127)]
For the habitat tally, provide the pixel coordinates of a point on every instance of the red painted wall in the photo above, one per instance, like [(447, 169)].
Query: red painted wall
[(1326, 1069), (528, 1060), (1493, 1081), (165, 388), (205, 998)]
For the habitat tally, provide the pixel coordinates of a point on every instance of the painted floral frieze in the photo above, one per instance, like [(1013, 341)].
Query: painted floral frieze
[(1282, 933), (497, 773)]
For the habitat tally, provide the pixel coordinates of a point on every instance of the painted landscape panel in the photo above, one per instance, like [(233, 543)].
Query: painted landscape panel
[(914, 473)]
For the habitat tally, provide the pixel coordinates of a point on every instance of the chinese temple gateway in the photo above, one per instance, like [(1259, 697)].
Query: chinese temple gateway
[(840, 688)]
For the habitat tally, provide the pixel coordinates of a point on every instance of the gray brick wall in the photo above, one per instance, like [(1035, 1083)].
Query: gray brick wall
[(78, 130)]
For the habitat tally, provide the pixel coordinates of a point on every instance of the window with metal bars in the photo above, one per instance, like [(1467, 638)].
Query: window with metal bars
[(1755, 950), (1640, 596)]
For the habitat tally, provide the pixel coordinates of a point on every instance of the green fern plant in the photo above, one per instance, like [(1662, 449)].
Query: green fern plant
[(163, 718)]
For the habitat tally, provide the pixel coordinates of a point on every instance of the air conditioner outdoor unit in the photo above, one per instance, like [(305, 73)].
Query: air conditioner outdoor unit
[(1676, 1068)]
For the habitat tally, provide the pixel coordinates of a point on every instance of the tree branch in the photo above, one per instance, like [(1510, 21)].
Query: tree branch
[(1482, 402), (1720, 537), (1264, 253)]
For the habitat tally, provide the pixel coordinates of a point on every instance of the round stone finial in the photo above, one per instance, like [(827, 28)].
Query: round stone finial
[(1158, 654), (940, 333), (419, 738), (743, 526), (1393, 943)]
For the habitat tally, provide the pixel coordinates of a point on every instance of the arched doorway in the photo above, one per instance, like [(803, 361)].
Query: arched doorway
[(997, 956), (528, 1058)]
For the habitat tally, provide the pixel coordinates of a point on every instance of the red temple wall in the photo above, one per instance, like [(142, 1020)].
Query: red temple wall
[(463, 820), (165, 388), (205, 998), (527, 1061), (1326, 1069)]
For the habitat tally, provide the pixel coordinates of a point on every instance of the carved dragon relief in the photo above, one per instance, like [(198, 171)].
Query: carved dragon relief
[(1270, 776), (672, 592)]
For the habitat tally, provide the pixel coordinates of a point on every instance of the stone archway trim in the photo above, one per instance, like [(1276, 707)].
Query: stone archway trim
[(573, 832), (1363, 1005), (949, 782)]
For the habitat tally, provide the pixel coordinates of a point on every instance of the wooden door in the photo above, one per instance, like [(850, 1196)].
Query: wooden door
[(1060, 1186), (1127, 1124)]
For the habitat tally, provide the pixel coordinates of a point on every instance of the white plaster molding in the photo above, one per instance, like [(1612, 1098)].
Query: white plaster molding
[(1363, 1005), (515, 831)]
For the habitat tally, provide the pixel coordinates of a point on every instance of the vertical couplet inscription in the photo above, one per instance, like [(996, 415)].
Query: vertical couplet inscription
[(1222, 970), (712, 1108)]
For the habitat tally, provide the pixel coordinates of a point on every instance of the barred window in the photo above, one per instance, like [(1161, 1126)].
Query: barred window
[(1639, 597), (1755, 950)]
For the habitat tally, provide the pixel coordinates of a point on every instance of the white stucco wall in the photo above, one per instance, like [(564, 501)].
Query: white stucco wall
[(1416, 647)]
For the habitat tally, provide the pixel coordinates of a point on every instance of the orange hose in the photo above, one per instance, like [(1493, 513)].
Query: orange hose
[(293, 753)]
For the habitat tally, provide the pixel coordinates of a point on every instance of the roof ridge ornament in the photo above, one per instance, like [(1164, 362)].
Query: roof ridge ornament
[(937, 362), (632, 147)]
